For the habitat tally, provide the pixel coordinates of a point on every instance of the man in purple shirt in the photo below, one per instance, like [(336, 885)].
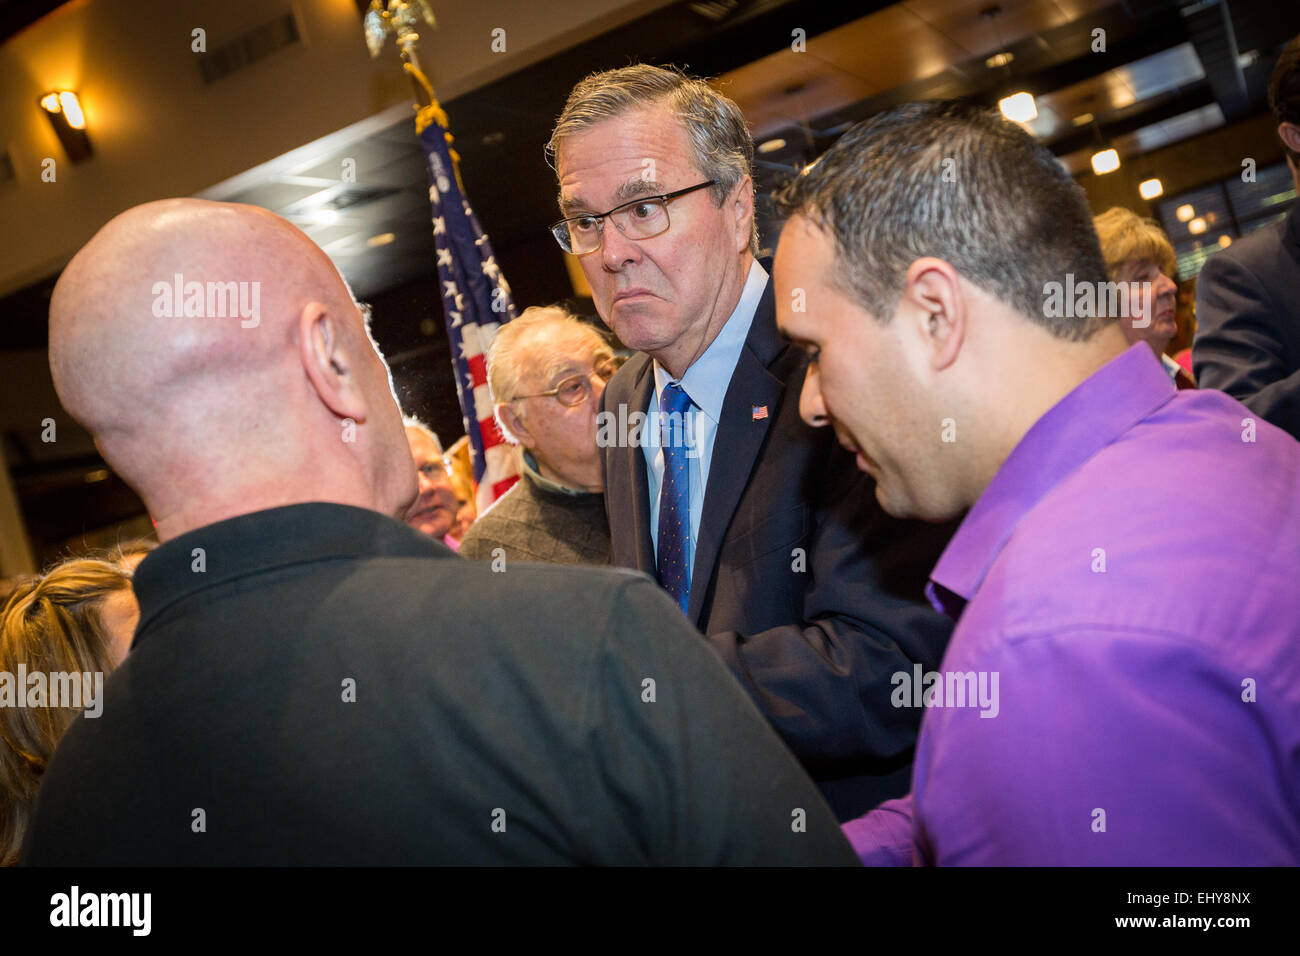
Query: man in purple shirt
[(1123, 684)]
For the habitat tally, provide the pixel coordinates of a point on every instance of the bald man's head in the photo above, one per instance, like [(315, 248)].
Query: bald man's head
[(223, 366)]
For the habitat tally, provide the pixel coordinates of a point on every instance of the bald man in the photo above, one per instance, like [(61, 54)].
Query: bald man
[(314, 682)]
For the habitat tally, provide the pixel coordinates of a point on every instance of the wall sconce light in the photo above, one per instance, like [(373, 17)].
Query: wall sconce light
[(63, 110)]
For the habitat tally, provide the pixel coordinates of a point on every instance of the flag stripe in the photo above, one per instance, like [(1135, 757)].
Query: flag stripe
[(476, 302)]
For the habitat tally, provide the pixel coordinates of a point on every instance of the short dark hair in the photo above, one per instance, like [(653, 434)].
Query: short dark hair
[(952, 180), (1284, 90)]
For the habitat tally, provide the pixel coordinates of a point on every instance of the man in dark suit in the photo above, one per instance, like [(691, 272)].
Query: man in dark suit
[(1248, 296), (758, 525), (313, 682)]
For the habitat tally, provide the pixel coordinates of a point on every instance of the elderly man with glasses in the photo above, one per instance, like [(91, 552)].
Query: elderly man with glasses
[(755, 523), (547, 371)]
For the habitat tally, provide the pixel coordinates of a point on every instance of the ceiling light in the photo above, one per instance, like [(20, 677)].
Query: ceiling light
[(1150, 188), (771, 145), (1018, 107), (999, 59), (1105, 161), (1184, 212), (1196, 226), (1083, 119), (383, 239), (1225, 240)]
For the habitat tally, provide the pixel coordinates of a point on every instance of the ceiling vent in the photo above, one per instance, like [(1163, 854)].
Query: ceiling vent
[(247, 48)]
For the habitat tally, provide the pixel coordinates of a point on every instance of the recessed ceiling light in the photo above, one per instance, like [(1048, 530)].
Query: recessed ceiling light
[(383, 239), (1184, 212), (1105, 161), (1196, 226), (999, 59), (1150, 188), (1018, 107), (1083, 119), (1225, 240), (771, 145)]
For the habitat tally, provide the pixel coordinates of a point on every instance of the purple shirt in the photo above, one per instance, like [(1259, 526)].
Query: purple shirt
[(1132, 576)]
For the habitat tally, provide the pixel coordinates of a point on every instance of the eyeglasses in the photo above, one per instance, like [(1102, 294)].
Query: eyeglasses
[(642, 218), (576, 389)]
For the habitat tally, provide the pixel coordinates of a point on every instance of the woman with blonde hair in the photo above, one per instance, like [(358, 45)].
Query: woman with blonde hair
[(78, 617), (1137, 250)]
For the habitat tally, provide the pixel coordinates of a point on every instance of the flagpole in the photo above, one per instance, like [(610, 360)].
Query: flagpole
[(476, 297)]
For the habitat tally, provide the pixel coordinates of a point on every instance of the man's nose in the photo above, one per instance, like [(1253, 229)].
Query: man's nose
[(617, 249), (811, 407)]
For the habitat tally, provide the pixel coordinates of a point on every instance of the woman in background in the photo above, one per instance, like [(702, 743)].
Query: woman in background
[(1136, 250), (78, 617)]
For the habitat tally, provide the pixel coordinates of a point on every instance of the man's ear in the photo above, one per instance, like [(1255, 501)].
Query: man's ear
[(1290, 135), (326, 361), (937, 307), (743, 205), (515, 425)]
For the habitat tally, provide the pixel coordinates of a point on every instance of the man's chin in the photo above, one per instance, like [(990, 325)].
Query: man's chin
[(638, 329)]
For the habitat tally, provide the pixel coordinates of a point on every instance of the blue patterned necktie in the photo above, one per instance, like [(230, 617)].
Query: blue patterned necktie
[(674, 496)]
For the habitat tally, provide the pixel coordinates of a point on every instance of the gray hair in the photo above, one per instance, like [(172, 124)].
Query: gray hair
[(720, 141), (957, 182), (506, 361), (410, 421)]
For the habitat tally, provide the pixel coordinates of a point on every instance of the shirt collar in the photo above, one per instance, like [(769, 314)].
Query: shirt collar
[(535, 475), (1096, 413), (263, 540), (709, 376)]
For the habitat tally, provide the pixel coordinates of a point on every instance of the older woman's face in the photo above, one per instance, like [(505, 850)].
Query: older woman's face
[(1153, 305)]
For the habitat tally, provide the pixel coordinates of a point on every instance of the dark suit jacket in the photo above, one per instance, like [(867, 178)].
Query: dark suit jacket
[(332, 687), (1248, 322), (806, 589)]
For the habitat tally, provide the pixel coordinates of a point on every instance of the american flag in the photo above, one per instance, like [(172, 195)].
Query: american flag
[(476, 302)]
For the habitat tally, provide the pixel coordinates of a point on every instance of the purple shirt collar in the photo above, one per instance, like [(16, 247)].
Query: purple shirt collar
[(1098, 411)]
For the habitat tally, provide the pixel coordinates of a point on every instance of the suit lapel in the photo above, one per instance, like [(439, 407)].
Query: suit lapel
[(634, 461), (739, 438)]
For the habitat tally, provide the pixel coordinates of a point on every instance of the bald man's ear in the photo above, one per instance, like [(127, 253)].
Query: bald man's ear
[(515, 425), (934, 301), (327, 363)]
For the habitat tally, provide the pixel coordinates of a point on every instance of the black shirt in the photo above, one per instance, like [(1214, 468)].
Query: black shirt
[(319, 684)]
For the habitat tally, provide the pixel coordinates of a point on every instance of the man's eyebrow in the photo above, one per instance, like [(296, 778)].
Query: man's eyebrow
[(635, 188), (632, 189)]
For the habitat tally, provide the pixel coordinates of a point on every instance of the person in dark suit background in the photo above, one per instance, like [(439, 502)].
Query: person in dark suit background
[(314, 682), (755, 523), (1248, 296)]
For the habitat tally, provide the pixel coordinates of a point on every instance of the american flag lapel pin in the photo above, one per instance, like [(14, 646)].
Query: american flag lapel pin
[(760, 412)]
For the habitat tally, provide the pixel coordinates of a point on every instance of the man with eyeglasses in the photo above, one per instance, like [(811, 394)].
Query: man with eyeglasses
[(756, 524), (547, 371), (434, 511)]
